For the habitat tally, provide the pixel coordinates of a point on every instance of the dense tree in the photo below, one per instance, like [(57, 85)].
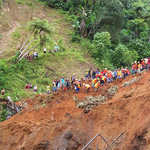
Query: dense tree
[(127, 21)]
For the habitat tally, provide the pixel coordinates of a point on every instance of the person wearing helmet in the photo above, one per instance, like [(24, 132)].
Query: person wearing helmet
[(94, 82), (119, 73), (97, 86), (73, 78), (87, 87), (103, 80), (143, 64), (109, 77), (139, 67), (135, 67), (105, 71)]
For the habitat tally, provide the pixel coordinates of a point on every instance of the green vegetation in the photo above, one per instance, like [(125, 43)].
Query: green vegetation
[(118, 30), (24, 3), (42, 30), (1, 4)]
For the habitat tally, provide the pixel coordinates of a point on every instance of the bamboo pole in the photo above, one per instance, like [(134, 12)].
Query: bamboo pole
[(116, 139)]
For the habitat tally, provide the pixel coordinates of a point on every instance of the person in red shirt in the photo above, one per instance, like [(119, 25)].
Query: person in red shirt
[(109, 77), (143, 64), (27, 86)]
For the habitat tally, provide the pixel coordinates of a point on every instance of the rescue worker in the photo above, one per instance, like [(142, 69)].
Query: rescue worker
[(76, 86), (139, 67), (125, 72), (109, 77), (143, 64), (73, 78), (135, 67), (97, 86), (119, 73), (87, 87), (105, 71), (94, 82), (103, 80)]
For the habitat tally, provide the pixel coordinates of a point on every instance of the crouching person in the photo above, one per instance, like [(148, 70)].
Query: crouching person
[(97, 86), (103, 80), (87, 87)]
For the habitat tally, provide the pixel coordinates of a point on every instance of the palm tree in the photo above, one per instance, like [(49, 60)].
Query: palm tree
[(39, 27)]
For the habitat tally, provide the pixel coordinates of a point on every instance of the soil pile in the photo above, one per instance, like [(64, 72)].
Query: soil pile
[(54, 122)]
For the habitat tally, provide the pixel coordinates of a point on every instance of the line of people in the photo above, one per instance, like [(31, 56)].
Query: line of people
[(97, 78), (140, 65)]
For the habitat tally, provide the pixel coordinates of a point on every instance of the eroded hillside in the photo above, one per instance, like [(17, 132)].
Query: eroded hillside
[(53, 121)]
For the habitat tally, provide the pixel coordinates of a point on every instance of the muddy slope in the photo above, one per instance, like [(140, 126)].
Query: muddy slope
[(60, 125)]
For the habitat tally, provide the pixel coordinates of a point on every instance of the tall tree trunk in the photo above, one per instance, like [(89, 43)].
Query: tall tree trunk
[(29, 43), (27, 39), (30, 50)]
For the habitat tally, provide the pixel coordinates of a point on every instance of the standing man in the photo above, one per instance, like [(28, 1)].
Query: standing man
[(90, 73), (44, 49), (48, 89)]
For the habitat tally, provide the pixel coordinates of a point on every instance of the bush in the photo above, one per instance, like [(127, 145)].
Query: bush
[(75, 38), (3, 114)]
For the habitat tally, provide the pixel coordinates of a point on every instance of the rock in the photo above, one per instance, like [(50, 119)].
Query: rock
[(43, 145), (68, 135), (86, 111)]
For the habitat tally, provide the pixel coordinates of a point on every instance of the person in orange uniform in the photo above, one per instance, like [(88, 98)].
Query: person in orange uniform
[(97, 86), (94, 81), (105, 71), (87, 87), (143, 64), (103, 80), (109, 77)]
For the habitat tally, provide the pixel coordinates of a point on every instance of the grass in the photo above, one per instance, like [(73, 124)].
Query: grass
[(47, 67), (24, 3)]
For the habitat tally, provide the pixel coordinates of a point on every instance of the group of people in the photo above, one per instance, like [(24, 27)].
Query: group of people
[(30, 57), (36, 55), (56, 49), (97, 78), (140, 65), (29, 86)]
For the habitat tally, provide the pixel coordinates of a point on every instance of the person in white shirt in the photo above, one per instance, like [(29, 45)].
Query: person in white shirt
[(44, 50), (34, 54)]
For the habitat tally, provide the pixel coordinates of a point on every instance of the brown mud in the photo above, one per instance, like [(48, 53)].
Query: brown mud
[(53, 122)]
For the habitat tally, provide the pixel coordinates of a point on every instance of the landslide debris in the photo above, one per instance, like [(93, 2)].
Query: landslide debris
[(90, 102), (135, 79), (112, 90)]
